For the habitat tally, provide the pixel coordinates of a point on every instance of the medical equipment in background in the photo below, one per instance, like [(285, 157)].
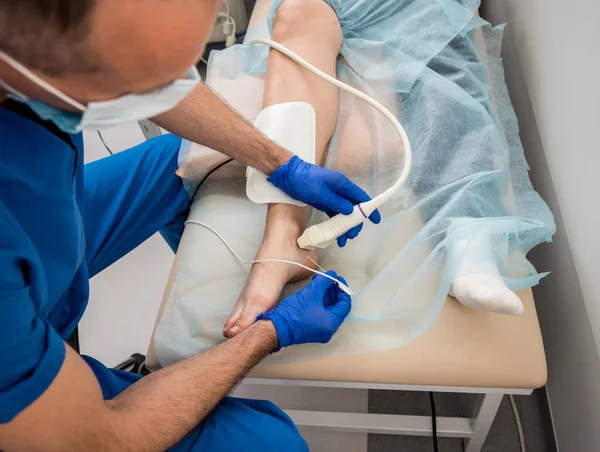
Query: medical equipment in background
[(229, 22), (324, 234), (149, 129)]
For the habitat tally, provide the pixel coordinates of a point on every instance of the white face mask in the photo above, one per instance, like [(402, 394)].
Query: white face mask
[(131, 107)]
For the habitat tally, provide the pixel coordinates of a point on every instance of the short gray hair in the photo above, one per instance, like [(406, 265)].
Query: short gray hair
[(48, 35)]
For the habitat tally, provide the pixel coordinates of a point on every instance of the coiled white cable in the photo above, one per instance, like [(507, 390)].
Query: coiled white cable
[(323, 234), (343, 286)]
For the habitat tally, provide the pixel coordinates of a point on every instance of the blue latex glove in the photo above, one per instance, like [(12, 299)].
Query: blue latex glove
[(313, 314), (329, 191)]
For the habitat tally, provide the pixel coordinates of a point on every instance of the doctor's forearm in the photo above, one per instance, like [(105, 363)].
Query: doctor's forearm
[(171, 402), (202, 117), (151, 415)]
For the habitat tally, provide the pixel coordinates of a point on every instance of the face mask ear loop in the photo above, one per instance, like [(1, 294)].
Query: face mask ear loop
[(13, 91), (41, 83)]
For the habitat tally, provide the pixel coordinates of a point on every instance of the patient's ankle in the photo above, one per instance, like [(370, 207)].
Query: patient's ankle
[(286, 219)]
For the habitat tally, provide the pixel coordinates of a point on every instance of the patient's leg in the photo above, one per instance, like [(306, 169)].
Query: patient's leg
[(311, 29), (478, 283)]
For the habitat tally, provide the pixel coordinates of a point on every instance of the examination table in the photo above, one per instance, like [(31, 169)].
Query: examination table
[(464, 352)]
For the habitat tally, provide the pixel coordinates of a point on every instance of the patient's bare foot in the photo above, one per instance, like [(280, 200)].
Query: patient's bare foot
[(267, 279)]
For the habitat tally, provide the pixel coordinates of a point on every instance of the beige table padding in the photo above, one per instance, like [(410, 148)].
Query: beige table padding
[(463, 348)]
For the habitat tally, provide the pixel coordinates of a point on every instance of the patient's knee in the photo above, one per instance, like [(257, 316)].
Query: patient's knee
[(308, 19)]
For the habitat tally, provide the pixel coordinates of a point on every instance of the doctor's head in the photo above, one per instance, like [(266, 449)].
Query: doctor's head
[(95, 50)]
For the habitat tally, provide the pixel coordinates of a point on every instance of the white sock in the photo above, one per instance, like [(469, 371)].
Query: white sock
[(478, 284)]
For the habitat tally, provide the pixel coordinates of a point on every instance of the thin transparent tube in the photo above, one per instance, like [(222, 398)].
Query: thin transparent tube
[(343, 286)]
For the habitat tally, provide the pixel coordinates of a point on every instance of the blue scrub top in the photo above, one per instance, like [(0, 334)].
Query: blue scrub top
[(45, 265), (44, 283)]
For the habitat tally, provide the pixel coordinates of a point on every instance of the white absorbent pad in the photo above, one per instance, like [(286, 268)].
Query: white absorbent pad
[(293, 126), (469, 179)]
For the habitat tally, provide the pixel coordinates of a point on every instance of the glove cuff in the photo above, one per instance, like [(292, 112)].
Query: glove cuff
[(279, 176), (281, 327)]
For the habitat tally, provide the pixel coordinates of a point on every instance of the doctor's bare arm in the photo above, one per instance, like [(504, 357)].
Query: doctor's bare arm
[(204, 118), (151, 415)]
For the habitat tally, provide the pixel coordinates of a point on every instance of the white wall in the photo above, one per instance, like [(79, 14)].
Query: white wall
[(552, 68), (558, 49)]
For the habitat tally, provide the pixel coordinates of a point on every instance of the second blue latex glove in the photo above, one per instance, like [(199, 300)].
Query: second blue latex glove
[(329, 191), (312, 314)]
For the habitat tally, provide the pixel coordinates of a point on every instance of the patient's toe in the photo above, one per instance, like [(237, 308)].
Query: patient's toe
[(253, 307), (233, 317)]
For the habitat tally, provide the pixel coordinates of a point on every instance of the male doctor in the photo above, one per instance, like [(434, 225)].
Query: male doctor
[(67, 65)]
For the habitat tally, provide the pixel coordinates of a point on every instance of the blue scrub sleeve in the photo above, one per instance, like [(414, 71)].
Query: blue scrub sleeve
[(129, 197), (31, 351)]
